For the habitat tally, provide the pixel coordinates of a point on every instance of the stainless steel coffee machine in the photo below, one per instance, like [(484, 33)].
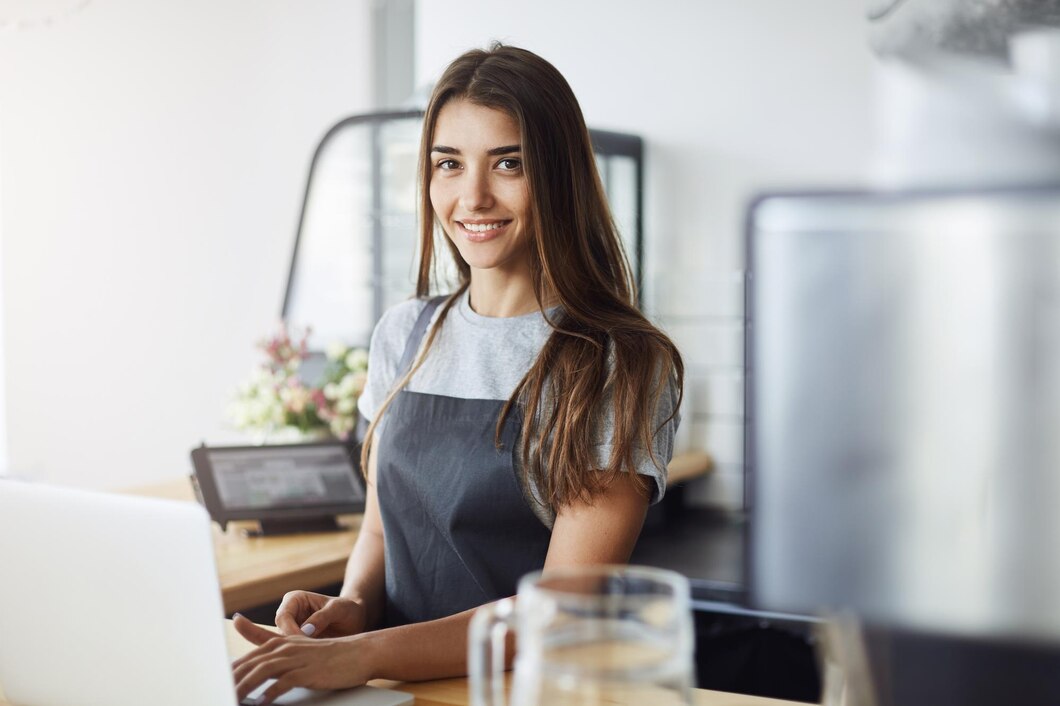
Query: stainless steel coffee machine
[(903, 373)]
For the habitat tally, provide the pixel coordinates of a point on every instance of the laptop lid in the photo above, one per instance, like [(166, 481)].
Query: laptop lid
[(108, 600), (113, 600)]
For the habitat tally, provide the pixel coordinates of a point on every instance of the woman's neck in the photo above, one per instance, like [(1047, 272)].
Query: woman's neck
[(499, 296)]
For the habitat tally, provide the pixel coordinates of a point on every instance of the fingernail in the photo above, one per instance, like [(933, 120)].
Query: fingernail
[(236, 615), (308, 629)]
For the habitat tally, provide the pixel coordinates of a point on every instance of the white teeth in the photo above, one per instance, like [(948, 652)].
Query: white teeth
[(481, 227)]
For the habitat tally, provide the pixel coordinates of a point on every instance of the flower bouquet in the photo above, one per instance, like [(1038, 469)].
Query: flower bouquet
[(277, 404)]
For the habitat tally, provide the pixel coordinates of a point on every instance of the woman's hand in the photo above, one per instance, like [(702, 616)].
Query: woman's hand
[(338, 663), (317, 615)]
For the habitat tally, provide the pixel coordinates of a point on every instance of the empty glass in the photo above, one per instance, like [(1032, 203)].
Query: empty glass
[(586, 636)]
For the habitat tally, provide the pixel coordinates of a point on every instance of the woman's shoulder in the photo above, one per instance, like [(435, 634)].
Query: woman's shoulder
[(393, 329), (402, 316)]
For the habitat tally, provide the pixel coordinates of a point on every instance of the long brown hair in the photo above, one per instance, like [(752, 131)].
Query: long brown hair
[(602, 352)]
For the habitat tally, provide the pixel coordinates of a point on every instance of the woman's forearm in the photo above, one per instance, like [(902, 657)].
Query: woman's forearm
[(436, 649), (365, 580)]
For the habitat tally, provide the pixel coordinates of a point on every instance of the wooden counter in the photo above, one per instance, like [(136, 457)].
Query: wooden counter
[(258, 570), (454, 692)]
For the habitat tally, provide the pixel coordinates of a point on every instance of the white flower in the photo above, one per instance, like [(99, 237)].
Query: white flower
[(295, 397), (239, 414), (336, 350), (261, 376), (341, 426), (348, 385), (265, 403), (357, 359)]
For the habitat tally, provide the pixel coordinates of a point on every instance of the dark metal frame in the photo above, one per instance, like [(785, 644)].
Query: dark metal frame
[(618, 144), (375, 120)]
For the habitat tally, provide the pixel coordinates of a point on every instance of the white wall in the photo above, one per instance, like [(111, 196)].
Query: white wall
[(153, 157), (4, 466), (731, 98)]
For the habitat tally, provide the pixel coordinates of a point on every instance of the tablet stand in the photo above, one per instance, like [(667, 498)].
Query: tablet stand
[(272, 527)]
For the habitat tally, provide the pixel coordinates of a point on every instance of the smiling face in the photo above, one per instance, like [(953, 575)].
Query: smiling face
[(478, 187)]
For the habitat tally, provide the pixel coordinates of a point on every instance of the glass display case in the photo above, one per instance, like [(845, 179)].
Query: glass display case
[(357, 240)]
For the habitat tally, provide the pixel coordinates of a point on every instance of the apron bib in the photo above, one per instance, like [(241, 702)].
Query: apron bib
[(457, 528)]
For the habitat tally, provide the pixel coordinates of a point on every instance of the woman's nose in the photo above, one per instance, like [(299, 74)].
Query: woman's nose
[(475, 193)]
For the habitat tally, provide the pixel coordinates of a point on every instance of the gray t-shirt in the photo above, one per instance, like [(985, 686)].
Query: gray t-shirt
[(482, 357)]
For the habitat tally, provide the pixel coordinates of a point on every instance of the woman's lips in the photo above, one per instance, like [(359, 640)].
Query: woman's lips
[(481, 231)]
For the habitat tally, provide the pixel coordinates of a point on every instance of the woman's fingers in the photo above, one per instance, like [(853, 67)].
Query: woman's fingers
[(277, 659), (320, 621), (296, 661), (268, 667), (337, 618), (294, 608), (252, 632), (282, 685), (242, 665), (287, 622)]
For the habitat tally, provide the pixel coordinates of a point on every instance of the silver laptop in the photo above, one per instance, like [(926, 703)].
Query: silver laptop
[(114, 600)]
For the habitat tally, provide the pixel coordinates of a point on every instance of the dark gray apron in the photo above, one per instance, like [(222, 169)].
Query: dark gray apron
[(457, 527)]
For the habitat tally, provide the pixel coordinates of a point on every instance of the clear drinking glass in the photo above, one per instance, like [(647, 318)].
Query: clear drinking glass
[(586, 636)]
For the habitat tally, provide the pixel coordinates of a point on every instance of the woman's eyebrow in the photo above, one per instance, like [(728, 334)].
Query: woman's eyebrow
[(507, 149)]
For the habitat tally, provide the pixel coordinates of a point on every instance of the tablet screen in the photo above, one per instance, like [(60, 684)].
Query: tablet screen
[(263, 478)]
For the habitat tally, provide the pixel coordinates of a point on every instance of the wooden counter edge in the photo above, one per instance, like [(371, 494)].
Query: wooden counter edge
[(682, 467), (688, 466)]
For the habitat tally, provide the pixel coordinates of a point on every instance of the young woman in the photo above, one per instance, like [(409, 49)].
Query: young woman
[(524, 421)]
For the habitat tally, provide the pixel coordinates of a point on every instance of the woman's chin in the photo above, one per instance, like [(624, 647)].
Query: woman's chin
[(478, 258)]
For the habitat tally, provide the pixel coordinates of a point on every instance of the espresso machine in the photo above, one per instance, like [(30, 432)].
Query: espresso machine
[(903, 373)]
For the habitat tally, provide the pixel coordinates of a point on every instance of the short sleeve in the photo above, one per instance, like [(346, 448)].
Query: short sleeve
[(664, 431), (662, 441), (384, 353)]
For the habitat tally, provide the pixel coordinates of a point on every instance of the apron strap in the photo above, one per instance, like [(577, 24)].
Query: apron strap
[(412, 345)]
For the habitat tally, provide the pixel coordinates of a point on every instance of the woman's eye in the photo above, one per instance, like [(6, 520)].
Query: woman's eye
[(448, 164), (509, 165)]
